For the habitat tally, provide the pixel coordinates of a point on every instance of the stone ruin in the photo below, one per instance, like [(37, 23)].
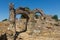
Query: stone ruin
[(43, 27)]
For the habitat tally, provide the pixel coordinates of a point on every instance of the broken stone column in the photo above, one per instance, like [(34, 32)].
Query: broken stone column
[(12, 13), (10, 36)]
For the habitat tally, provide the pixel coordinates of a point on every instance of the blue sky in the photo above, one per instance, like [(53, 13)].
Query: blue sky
[(51, 7)]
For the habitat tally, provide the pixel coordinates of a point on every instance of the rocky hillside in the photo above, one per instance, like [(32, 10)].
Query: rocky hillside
[(39, 29), (46, 29)]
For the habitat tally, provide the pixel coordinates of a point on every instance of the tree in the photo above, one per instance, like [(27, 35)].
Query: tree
[(22, 16), (27, 8), (36, 16), (5, 20), (55, 17)]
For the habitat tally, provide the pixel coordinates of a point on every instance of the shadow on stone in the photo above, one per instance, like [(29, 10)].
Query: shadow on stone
[(3, 37)]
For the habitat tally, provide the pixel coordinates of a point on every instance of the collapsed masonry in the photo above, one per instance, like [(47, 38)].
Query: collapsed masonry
[(29, 27)]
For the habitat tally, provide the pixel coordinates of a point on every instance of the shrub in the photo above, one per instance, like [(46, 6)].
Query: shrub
[(5, 20), (27, 8), (55, 17), (36, 16)]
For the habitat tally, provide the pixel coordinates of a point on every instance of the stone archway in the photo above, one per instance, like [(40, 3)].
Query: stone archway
[(24, 13), (14, 12), (40, 12)]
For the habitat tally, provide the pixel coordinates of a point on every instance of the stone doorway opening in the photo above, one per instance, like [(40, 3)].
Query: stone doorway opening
[(18, 17)]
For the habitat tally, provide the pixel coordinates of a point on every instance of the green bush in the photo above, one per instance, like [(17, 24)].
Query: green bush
[(5, 20), (22, 16), (27, 8), (55, 17), (36, 16)]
